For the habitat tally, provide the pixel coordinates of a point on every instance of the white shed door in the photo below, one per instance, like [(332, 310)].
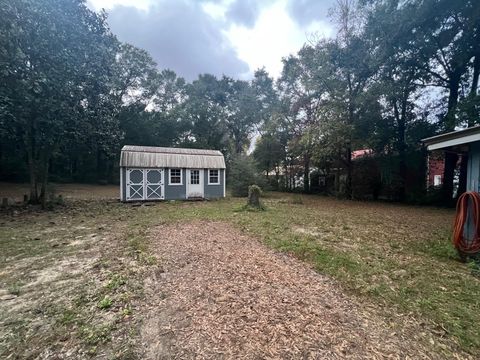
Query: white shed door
[(135, 187), (145, 184), (154, 184), (195, 183)]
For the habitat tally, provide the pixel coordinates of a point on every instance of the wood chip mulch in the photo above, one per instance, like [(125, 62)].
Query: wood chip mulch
[(221, 294)]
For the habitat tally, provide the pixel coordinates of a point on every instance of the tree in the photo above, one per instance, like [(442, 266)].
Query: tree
[(203, 113), (269, 153), (301, 96), (242, 174), (399, 73), (242, 112), (54, 78)]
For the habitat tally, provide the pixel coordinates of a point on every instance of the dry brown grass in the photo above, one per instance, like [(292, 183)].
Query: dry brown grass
[(57, 267)]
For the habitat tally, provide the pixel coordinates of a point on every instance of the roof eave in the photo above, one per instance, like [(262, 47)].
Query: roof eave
[(453, 138)]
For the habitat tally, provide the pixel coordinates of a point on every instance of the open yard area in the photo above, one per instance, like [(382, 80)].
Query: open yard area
[(309, 277)]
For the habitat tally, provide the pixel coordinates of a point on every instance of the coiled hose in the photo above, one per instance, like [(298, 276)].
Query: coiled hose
[(468, 208)]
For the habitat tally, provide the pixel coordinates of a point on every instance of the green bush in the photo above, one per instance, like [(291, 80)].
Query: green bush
[(242, 174)]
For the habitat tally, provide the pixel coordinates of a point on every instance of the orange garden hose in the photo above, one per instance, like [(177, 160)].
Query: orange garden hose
[(467, 202)]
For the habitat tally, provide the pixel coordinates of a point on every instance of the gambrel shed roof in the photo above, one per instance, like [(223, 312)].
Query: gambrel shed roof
[(164, 157)]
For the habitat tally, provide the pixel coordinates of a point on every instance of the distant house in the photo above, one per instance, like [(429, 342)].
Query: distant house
[(159, 173), (464, 142)]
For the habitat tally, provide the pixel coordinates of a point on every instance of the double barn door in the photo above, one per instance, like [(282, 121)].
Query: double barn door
[(145, 184)]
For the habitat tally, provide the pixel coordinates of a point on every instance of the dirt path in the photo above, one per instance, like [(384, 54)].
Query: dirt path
[(222, 294)]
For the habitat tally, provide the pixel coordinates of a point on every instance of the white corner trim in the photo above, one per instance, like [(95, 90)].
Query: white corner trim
[(170, 177), (212, 183), (121, 184), (224, 182)]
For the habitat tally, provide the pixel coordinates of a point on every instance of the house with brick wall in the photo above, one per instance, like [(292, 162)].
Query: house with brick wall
[(435, 167), (466, 144)]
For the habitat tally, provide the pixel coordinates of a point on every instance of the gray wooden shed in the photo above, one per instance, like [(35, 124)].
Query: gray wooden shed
[(160, 173)]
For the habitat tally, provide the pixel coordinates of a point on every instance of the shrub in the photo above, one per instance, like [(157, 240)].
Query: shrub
[(254, 193), (242, 174)]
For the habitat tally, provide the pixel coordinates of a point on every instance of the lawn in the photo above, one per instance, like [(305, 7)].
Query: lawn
[(72, 279)]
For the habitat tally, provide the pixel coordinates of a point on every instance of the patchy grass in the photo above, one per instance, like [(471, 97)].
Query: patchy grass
[(77, 283), (60, 265)]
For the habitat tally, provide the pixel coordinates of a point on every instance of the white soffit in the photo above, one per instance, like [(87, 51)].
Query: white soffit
[(453, 142)]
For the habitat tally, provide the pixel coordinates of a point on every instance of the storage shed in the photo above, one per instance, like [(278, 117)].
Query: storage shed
[(160, 173)]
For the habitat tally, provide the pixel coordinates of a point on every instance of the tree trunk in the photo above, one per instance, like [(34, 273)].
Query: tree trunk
[(100, 166), (348, 180), (476, 73), (29, 142), (277, 176), (400, 117), (306, 173), (449, 122), (473, 90), (292, 179), (33, 180), (453, 87), (43, 193)]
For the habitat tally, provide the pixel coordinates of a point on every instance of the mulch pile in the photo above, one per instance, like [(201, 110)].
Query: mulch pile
[(221, 294)]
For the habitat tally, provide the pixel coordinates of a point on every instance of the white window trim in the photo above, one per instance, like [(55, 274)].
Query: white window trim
[(170, 177), (218, 177)]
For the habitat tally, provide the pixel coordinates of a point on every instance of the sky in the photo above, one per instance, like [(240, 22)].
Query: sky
[(220, 37)]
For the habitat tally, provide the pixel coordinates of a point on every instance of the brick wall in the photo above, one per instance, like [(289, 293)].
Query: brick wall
[(436, 165)]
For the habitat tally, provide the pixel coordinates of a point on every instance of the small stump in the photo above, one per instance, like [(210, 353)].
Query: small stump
[(254, 193)]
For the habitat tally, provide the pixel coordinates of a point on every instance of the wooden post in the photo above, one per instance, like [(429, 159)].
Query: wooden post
[(25, 198)]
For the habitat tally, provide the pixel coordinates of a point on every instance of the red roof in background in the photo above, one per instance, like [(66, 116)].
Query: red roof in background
[(361, 153)]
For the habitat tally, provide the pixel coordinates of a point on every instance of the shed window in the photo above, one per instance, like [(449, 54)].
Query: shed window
[(175, 176), (213, 177)]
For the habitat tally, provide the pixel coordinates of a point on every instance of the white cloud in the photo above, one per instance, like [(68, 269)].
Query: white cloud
[(274, 36), (216, 10)]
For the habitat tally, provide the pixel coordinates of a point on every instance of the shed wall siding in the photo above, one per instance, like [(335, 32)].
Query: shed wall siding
[(214, 191), (473, 170), (175, 192)]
